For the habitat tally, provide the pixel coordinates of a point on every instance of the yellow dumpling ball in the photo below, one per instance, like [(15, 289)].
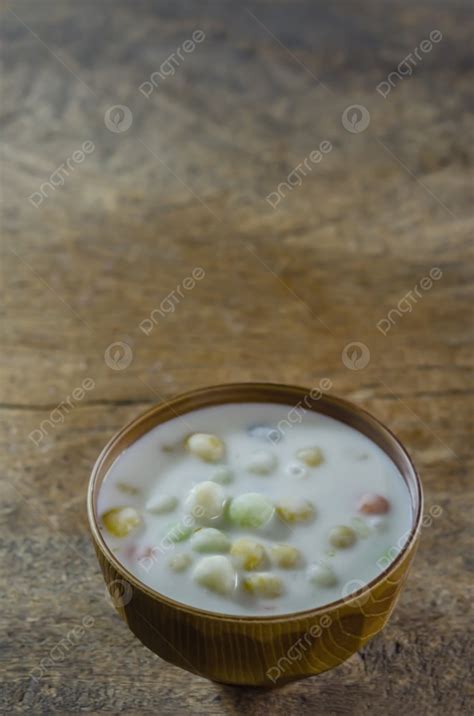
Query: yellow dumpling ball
[(247, 553), (120, 521)]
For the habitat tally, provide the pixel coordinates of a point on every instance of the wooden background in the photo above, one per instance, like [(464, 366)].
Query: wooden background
[(285, 291)]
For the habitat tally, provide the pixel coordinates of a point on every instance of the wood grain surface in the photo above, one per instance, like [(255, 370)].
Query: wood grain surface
[(285, 293)]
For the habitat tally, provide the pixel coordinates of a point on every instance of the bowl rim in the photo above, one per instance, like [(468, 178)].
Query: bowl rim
[(212, 390)]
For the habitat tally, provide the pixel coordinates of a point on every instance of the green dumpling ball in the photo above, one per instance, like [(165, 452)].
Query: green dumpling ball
[(250, 510)]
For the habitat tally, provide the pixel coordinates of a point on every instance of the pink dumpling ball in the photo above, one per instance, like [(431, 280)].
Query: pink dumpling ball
[(372, 504)]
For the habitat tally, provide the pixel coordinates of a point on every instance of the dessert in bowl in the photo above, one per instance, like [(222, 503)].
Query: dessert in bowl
[(255, 533)]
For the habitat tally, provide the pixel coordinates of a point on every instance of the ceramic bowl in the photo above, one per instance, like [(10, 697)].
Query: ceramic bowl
[(256, 650)]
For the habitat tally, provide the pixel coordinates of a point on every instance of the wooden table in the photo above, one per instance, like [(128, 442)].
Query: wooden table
[(285, 293)]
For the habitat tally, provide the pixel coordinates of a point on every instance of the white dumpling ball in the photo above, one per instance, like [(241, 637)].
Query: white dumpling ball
[(209, 539), (207, 447), (261, 462), (321, 575), (159, 504), (206, 501), (216, 573)]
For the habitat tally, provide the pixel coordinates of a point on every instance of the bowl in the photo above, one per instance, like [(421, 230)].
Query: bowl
[(257, 650)]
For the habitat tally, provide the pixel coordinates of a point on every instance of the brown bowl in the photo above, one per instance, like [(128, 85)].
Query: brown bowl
[(264, 651)]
